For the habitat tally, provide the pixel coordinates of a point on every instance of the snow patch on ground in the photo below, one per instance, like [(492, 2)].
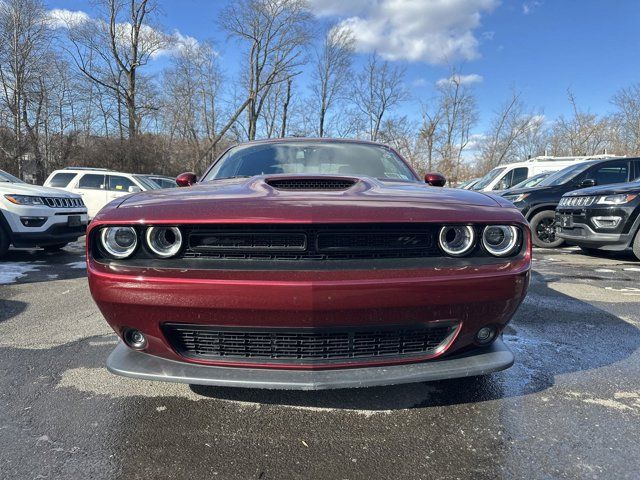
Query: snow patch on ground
[(12, 271), (82, 264), (621, 401)]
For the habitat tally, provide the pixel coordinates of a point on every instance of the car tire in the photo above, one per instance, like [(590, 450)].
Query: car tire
[(54, 248), (543, 230), (4, 241), (636, 245)]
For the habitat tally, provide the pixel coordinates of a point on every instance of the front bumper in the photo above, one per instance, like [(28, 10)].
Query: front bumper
[(584, 236), (130, 363), (56, 234), (574, 229)]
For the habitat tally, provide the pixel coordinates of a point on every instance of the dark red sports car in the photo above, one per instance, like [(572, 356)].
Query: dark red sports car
[(308, 264)]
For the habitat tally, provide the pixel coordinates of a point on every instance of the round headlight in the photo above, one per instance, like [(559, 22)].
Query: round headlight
[(165, 242), (500, 240), (119, 242), (456, 240)]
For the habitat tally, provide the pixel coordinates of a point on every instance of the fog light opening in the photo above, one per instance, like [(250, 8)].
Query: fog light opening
[(134, 339), (486, 335)]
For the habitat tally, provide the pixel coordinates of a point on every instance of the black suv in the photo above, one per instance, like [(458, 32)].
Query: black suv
[(605, 218), (538, 204)]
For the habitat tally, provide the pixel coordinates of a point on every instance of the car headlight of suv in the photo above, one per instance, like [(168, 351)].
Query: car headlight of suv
[(517, 198), (119, 242), (619, 199), (24, 200)]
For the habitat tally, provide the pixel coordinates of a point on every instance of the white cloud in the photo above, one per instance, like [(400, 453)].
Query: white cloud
[(177, 42), (432, 31), (62, 18), (461, 79), (529, 7), (174, 43)]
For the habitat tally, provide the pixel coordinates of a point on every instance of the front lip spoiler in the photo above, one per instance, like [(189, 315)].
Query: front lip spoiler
[(130, 363)]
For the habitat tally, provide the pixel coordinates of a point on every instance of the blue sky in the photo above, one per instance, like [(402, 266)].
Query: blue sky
[(538, 47)]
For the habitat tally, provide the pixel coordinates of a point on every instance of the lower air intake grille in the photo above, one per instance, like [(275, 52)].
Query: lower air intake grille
[(306, 346), (311, 183)]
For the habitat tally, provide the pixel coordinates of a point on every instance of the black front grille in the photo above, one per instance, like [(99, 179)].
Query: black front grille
[(306, 345), (62, 202), (311, 183), (301, 242)]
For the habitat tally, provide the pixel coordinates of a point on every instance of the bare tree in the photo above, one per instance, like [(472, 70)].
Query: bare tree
[(23, 50), (627, 119), (511, 123), (191, 106), (331, 72), (376, 91), (458, 109), (403, 135), (274, 34), (112, 49), (430, 131), (581, 134)]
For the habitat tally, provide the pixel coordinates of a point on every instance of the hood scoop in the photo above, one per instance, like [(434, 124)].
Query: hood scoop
[(310, 184)]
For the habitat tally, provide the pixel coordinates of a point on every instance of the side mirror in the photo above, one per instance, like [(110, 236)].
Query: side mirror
[(134, 189), (186, 179), (435, 179), (588, 182)]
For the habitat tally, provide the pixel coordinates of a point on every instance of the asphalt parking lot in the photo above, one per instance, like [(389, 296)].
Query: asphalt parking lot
[(569, 408)]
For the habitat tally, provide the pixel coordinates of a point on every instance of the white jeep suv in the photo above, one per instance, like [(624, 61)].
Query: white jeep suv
[(35, 216), (98, 186)]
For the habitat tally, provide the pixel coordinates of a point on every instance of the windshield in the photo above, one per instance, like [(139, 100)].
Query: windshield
[(335, 158), (8, 178), (488, 178), (149, 184), (563, 176), (532, 182)]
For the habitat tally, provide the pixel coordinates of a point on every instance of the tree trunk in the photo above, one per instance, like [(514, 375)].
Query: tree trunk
[(285, 109)]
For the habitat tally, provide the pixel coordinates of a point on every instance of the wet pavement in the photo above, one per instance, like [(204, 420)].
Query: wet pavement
[(568, 408)]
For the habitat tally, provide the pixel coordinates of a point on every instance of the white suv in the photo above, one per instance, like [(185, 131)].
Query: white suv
[(35, 216), (98, 186)]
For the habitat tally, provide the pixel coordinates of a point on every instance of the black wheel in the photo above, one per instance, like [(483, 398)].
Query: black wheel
[(543, 230), (636, 245), (4, 242), (54, 248)]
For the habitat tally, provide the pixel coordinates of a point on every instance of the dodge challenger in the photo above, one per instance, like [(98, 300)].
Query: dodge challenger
[(308, 264)]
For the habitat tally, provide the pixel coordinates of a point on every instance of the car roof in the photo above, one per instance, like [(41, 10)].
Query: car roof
[(313, 140)]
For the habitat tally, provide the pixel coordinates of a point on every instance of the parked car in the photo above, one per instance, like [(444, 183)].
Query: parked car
[(601, 218), (532, 181), (528, 183), (506, 176), (308, 264), (98, 186), (34, 216), (468, 185), (538, 204), (162, 181)]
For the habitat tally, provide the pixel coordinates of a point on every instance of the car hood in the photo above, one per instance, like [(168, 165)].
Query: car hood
[(254, 199), (631, 187), (34, 190)]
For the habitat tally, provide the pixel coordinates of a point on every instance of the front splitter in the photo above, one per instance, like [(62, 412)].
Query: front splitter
[(130, 363)]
